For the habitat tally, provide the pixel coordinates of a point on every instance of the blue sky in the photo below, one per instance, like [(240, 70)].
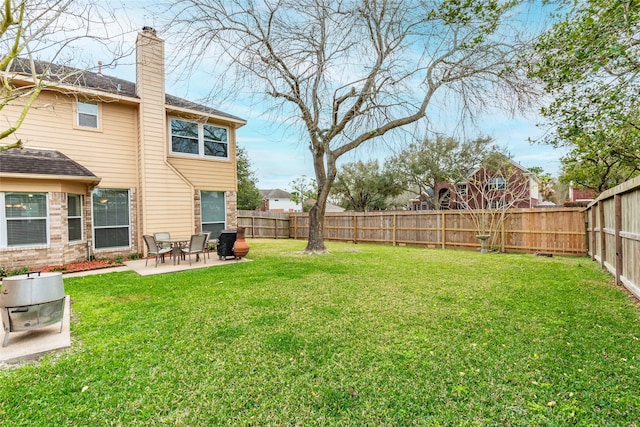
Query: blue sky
[(277, 155)]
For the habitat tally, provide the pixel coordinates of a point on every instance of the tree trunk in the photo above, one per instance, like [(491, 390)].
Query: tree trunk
[(315, 244)]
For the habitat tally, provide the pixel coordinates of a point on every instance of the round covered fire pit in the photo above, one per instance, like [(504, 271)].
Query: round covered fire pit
[(31, 301)]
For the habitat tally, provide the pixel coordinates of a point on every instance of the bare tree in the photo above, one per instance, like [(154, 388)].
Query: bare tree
[(490, 193), (33, 28), (349, 72)]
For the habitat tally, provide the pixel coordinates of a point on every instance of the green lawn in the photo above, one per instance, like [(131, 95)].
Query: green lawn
[(367, 335)]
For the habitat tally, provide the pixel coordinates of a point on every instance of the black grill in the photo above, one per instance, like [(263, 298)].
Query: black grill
[(226, 239)]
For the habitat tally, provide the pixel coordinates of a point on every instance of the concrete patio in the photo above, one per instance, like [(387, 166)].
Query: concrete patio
[(163, 267), (25, 346)]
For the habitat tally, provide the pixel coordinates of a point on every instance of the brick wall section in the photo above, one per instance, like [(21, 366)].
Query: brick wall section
[(196, 214), (232, 209), (58, 252)]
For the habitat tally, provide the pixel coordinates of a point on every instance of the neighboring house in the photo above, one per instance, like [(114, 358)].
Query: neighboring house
[(511, 185), (107, 161), (421, 201), (580, 194), (330, 207), (278, 201)]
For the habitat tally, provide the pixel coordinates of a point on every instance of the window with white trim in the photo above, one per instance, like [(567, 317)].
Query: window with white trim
[(198, 139), (497, 183), (25, 219), (74, 217), (111, 218), (87, 114), (213, 212)]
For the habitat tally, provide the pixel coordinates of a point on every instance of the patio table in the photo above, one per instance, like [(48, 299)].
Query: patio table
[(177, 244)]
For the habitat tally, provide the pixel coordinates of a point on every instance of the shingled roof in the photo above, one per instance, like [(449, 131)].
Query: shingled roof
[(274, 194), (63, 74), (42, 162)]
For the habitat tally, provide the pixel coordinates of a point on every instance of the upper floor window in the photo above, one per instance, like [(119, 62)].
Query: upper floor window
[(88, 114), (199, 139), (497, 183)]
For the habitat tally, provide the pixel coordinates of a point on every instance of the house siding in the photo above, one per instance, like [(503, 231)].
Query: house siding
[(207, 174), (128, 151), (110, 153)]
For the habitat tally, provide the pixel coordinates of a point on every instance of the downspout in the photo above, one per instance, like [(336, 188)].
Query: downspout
[(183, 178)]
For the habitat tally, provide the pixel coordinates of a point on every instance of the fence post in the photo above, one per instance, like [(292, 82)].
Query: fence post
[(295, 227), (593, 232), (253, 226), (395, 218), (443, 229), (355, 228), (603, 236), (617, 199)]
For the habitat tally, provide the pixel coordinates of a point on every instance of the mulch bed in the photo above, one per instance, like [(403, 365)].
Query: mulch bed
[(81, 266)]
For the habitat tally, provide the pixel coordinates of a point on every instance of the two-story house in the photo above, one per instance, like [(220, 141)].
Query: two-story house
[(505, 184), (106, 161), (277, 200)]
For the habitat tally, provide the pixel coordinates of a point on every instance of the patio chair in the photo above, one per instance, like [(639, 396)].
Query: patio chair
[(196, 246), (165, 235), (206, 243), (154, 250)]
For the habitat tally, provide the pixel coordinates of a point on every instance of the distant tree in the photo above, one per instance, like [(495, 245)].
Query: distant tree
[(425, 164), (303, 189), (351, 73), (595, 162), (589, 63), (363, 186), (560, 192), (546, 187), (249, 197)]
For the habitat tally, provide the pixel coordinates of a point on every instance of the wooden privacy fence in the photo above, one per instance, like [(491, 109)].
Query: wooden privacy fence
[(614, 233), (264, 224), (558, 231)]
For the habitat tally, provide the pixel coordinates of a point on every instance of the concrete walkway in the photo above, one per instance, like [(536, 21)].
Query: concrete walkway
[(30, 345)]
